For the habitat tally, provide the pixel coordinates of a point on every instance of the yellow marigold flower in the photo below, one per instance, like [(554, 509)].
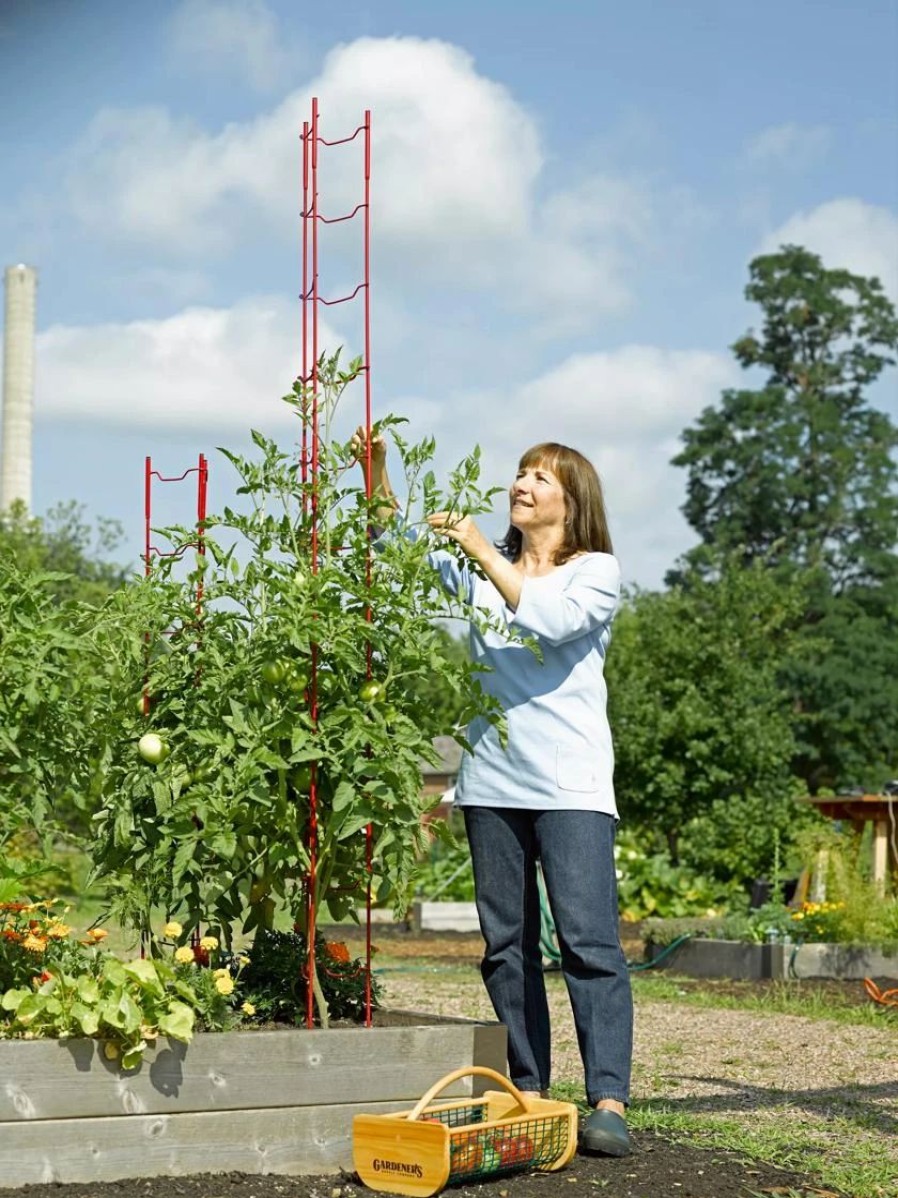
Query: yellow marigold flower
[(110, 1051), (798, 915), (248, 1009), (57, 930), (243, 962), (209, 943), (224, 985), (184, 955), (221, 973), (172, 929), (34, 944)]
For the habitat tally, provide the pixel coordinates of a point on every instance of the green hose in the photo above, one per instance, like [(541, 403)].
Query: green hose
[(548, 938)]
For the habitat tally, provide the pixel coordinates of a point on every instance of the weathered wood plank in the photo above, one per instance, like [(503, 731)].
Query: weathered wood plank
[(294, 1140), (43, 1080), (434, 916)]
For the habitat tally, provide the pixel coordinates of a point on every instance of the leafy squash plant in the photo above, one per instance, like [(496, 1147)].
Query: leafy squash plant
[(220, 830)]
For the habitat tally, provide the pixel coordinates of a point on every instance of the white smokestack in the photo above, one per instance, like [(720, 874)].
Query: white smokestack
[(18, 385)]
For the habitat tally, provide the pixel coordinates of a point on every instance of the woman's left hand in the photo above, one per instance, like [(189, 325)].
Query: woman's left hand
[(462, 530)]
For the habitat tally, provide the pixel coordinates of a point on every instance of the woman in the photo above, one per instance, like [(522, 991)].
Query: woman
[(547, 795)]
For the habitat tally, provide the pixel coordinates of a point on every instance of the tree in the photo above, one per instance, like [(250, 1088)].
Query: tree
[(801, 469), (697, 713), (62, 543), (801, 474)]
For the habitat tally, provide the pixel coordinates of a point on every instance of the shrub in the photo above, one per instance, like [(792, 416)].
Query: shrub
[(276, 978)]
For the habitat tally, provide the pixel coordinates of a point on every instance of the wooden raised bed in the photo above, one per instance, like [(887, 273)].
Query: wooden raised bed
[(739, 960), (253, 1101)]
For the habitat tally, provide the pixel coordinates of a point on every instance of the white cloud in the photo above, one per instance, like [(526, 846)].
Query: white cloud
[(204, 367), (238, 36), (223, 371), (847, 233), (790, 146), (456, 164)]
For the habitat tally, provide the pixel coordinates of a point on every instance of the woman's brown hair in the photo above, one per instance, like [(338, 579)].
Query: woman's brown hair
[(586, 523)]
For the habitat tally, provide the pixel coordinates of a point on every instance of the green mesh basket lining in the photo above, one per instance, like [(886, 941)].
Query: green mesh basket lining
[(459, 1116)]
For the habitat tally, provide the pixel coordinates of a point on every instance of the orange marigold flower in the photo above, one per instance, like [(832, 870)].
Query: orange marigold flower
[(9, 934), (336, 950), (97, 934), (34, 944)]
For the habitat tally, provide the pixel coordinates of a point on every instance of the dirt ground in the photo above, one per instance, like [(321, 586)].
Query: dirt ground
[(657, 1168)]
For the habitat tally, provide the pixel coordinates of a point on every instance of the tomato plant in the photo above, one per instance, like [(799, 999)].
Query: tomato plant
[(219, 831)]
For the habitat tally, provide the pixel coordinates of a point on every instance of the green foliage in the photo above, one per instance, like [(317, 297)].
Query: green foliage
[(47, 691), (125, 1003), (649, 885), (64, 545), (694, 700), (431, 691), (219, 831), (447, 873), (56, 987), (737, 837), (844, 683), (802, 470), (801, 474), (276, 979)]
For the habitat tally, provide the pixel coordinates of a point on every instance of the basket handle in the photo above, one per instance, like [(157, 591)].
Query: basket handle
[(481, 1071)]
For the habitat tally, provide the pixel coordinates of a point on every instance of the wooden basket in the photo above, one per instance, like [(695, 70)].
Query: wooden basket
[(420, 1151)]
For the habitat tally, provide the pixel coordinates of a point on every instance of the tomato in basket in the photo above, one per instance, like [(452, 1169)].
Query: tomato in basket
[(514, 1150), (467, 1155)]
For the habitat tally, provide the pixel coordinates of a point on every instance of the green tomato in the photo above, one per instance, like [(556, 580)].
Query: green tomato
[(301, 778), (274, 672), (152, 748), (372, 691), (140, 707), (298, 681)]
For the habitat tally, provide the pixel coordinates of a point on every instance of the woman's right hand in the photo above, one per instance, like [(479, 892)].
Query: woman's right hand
[(359, 443)]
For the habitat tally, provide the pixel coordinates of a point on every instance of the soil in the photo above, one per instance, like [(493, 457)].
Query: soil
[(657, 1169)]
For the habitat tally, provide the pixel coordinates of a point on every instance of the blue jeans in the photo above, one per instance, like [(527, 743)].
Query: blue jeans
[(576, 851)]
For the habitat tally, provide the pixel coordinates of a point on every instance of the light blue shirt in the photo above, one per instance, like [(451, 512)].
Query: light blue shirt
[(559, 752)]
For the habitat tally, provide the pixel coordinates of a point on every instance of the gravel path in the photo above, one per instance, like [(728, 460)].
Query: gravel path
[(764, 1070)]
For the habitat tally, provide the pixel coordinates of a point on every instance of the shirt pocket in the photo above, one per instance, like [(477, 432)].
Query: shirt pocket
[(575, 770)]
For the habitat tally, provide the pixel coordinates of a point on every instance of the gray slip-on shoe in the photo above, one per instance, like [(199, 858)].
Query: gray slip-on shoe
[(605, 1132)]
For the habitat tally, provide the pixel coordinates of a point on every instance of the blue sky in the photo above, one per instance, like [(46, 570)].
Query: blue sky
[(565, 202)]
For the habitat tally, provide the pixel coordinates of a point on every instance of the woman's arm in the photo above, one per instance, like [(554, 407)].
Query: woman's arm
[(455, 579), (381, 487), (498, 569)]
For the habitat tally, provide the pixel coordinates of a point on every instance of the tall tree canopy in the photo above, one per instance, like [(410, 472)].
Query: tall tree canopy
[(802, 468), (801, 474)]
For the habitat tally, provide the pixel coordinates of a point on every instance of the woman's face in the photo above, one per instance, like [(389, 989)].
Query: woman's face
[(537, 500)]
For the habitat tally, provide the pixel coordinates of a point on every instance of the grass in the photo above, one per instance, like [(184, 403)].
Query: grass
[(841, 1151), (779, 998)]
